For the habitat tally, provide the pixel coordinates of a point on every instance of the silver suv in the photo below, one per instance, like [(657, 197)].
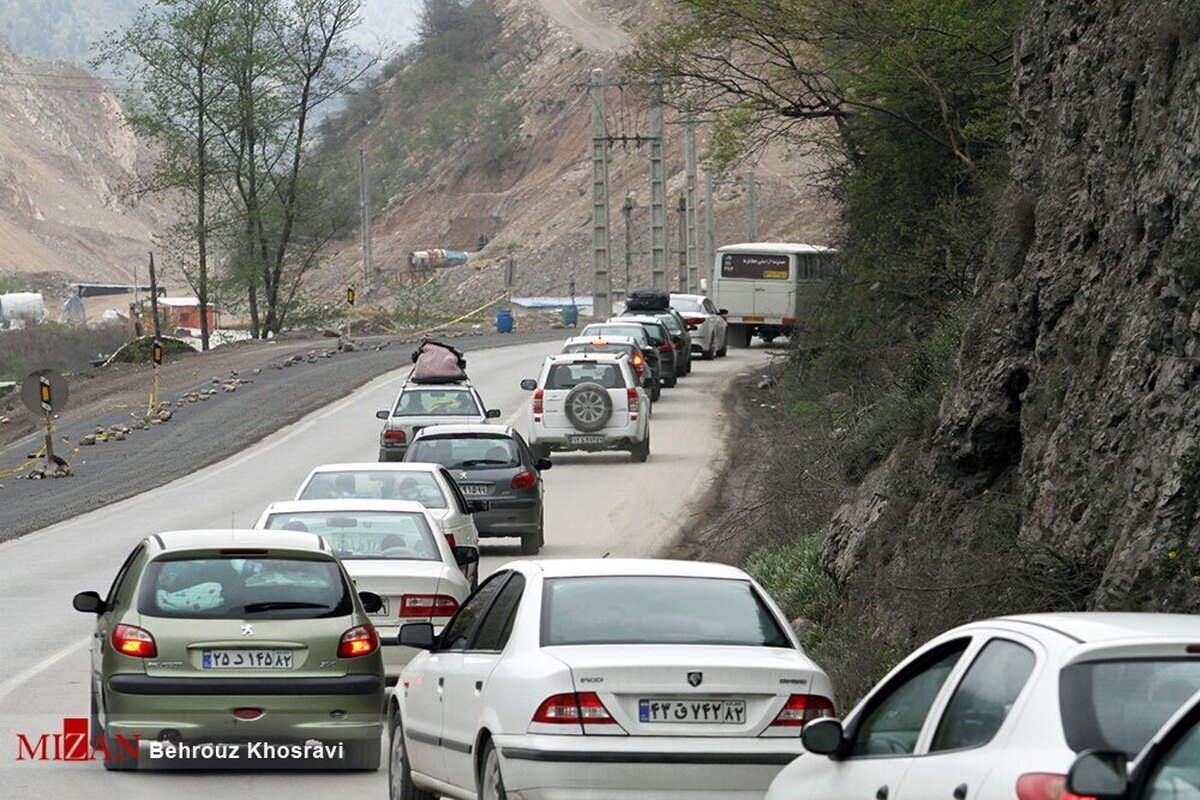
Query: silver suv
[(420, 405)]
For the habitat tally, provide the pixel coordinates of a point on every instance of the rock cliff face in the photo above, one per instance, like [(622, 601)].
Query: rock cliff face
[(1065, 470)]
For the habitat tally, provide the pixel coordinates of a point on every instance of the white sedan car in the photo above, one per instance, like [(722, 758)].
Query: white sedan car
[(710, 332), (428, 484), (604, 679), (998, 709), (391, 548)]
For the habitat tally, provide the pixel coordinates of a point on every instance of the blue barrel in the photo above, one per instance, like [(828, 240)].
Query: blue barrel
[(504, 321), (570, 316)]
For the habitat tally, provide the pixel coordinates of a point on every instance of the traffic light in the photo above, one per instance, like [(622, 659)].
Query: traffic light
[(350, 295)]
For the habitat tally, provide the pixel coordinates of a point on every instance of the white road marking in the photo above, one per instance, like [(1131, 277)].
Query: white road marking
[(10, 685)]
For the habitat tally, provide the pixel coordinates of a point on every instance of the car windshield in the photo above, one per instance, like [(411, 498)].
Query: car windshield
[(435, 403), (613, 610), (218, 587), (631, 331), (402, 535), (568, 376), (685, 304), (467, 451), (1119, 704), (419, 487)]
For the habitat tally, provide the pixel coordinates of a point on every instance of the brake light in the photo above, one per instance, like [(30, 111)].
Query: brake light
[(131, 640), (631, 397), (802, 708), (359, 641), (573, 708), (450, 540), (394, 437), (694, 320), (1045, 786), (524, 480), (665, 347), (537, 401), (247, 713), (428, 605), (789, 320)]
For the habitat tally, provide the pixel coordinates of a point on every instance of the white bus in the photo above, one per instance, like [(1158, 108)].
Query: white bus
[(767, 286)]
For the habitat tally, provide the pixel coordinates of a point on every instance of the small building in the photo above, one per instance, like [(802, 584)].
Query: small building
[(173, 313)]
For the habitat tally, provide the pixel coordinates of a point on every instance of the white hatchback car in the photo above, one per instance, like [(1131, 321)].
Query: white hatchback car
[(604, 679), (428, 484), (998, 709), (588, 401), (391, 548)]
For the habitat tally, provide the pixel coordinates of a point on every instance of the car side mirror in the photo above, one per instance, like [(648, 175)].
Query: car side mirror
[(823, 736), (722, 311), (371, 602), (464, 555), (529, 384), (88, 603), (493, 413), (382, 415), (475, 506), (416, 634), (543, 464), (1099, 773)]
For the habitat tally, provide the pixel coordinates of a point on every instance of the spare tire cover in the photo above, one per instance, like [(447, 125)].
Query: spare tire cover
[(588, 407)]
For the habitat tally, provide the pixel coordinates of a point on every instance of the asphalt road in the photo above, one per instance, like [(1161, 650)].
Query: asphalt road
[(596, 503)]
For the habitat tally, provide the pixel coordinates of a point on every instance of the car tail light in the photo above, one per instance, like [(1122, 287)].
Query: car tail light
[(1045, 786), (789, 320), (428, 605), (573, 708), (360, 641), (450, 540), (131, 640), (631, 397), (802, 708), (537, 401), (665, 347), (524, 480), (394, 437), (638, 363), (247, 713), (694, 320)]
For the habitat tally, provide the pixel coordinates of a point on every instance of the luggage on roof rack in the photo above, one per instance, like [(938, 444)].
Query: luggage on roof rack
[(648, 300), (437, 362)]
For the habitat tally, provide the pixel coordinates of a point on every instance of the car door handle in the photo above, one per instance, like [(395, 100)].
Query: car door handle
[(960, 792), (881, 793)]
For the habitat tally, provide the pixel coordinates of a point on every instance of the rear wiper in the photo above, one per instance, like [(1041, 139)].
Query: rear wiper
[(278, 605)]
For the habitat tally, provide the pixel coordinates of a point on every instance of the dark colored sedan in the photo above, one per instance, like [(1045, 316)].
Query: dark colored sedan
[(619, 326), (681, 337), (660, 339), (492, 463)]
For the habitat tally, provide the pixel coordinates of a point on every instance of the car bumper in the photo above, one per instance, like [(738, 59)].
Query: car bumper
[(611, 442), (201, 709), (645, 767), (511, 517), (392, 453)]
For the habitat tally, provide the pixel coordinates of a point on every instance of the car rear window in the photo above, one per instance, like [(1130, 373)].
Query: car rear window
[(608, 347), (466, 452), (419, 487), (632, 331), (656, 332), (219, 587), (435, 403), (670, 323), (568, 376), (684, 304), (656, 610), (399, 535), (1120, 704)]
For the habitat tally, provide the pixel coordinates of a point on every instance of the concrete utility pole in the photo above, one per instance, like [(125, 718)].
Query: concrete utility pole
[(364, 207), (693, 281), (628, 210), (682, 211), (710, 233), (658, 194), (601, 280), (751, 208), (154, 297)]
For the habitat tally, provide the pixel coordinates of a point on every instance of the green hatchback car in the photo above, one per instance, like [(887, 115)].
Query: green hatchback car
[(235, 649)]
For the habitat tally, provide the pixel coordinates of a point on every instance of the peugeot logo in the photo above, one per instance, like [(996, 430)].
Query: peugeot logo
[(248, 630), (695, 678), (462, 476)]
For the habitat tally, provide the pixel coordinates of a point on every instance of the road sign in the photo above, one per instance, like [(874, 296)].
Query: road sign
[(44, 391), (158, 351)]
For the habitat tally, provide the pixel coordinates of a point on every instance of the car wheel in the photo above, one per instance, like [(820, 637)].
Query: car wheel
[(121, 759), (724, 351), (400, 785), (95, 732), (531, 542), (362, 755), (711, 351), (539, 451), (588, 407), (474, 576), (672, 379), (655, 391), (541, 531), (641, 450), (491, 782)]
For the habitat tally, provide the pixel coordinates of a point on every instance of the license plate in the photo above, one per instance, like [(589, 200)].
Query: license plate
[(721, 712), (585, 438), (753, 319), (473, 488), (246, 659), (384, 611)]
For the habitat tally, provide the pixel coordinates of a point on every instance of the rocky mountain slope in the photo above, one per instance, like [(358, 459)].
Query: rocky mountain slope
[(64, 159), (1065, 469)]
